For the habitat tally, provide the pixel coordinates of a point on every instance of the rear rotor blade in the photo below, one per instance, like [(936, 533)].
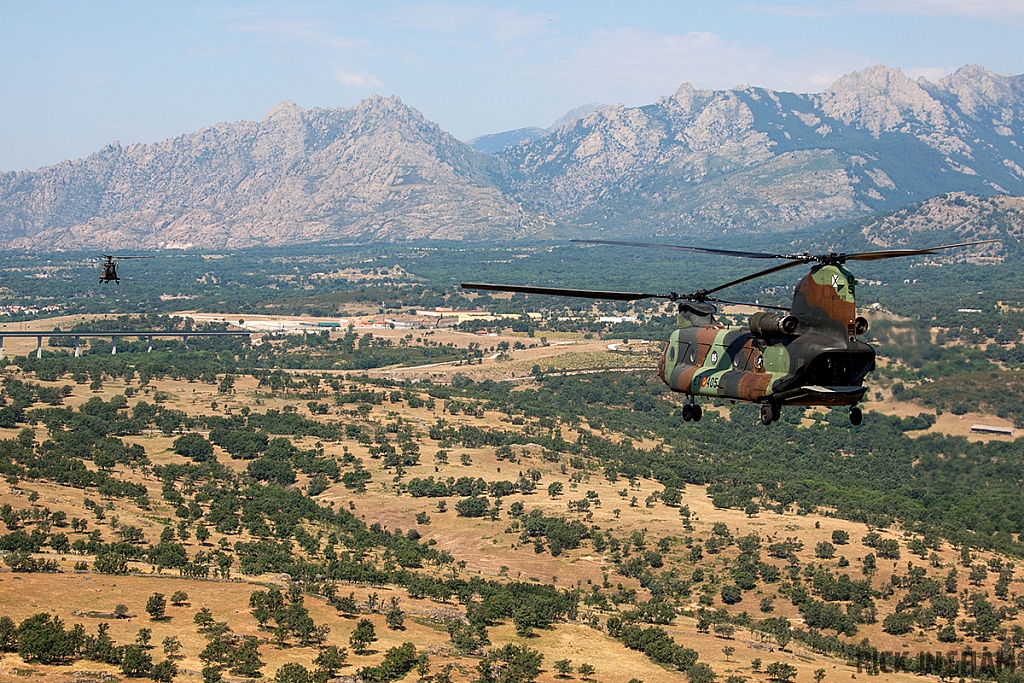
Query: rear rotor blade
[(554, 291), (897, 253), (700, 250)]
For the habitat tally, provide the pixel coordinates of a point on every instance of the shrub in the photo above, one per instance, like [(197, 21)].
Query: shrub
[(194, 446), (474, 506)]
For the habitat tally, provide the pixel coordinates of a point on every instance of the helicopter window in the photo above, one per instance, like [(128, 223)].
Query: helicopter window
[(672, 353), (693, 355)]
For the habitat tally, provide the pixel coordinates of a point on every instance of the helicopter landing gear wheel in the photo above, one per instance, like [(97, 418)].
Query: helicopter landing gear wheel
[(767, 414), (856, 416), (688, 413), (697, 413)]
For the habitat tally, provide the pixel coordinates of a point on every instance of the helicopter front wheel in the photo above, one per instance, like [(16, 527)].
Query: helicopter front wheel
[(856, 416), (768, 414), (697, 413)]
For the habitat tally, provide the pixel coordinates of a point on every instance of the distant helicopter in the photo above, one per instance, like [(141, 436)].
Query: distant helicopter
[(109, 273), (805, 355)]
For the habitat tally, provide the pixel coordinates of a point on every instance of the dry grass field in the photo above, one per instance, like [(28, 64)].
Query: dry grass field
[(486, 548)]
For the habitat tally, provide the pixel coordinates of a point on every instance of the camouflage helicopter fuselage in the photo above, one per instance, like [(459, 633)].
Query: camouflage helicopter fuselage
[(810, 357)]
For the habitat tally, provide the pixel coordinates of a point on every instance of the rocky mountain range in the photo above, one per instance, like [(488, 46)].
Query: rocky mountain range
[(697, 163), (751, 159), (378, 171)]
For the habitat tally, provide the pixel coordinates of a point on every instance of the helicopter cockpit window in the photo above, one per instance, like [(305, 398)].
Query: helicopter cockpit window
[(672, 353)]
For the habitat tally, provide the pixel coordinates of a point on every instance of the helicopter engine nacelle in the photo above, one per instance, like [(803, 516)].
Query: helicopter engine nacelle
[(764, 324)]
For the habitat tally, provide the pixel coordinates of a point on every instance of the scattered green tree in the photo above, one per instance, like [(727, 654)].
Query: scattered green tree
[(362, 636), (510, 664), (780, 671), (156, 606)]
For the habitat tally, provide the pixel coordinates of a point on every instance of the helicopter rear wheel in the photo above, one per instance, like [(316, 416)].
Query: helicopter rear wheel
[(856, 416), (767, 414), (697, 413), (688, 413)]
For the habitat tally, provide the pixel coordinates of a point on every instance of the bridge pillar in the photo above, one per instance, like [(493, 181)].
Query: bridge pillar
[(150, 349), (78, 347), (113, 346), (184, 338), (39, 347), (1, 348)]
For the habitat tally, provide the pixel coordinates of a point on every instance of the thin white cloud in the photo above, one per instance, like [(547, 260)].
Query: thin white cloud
[(645, 63), (996, 10), (501, 25), (628, 56), (980, 9), (363, 79)]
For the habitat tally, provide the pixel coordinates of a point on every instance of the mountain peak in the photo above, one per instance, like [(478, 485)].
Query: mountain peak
[(286, 110), (977, 89), (496, 142), (880, 99), (574, 115), (379, 103)]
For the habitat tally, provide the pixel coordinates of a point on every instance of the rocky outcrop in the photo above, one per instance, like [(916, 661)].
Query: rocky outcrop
[(881, 100), (955, 216), (948, 218)]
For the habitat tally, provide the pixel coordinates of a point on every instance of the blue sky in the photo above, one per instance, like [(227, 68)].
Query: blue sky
[(77, 75)]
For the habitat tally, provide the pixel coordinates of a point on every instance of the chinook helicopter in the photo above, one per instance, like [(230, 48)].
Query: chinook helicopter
[(808, 354), (109, 273)]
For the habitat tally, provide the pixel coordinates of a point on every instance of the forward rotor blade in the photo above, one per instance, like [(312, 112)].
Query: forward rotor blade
[(121, 258), (554, 291), (897, 253), (753, 276), (700, 250)]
